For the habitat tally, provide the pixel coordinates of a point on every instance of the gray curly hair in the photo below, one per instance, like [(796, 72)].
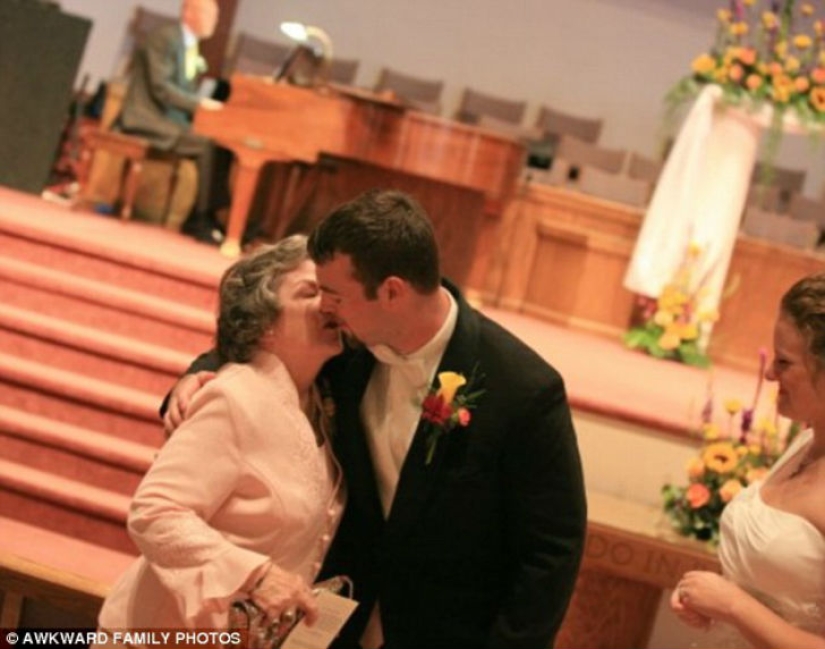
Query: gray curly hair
[(249, 296)]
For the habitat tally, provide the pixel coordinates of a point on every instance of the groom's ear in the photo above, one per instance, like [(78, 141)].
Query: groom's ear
[(392, 291)]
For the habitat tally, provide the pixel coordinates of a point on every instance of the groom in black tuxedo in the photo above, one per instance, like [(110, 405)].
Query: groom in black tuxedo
[(465, 520)]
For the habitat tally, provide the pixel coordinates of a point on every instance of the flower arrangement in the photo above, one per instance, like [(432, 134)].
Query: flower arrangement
[(733, 455), (765, 54), (673, 323), (448, 406)]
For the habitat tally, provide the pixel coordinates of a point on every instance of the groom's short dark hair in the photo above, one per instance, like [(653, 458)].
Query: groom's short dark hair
[(385, 233)]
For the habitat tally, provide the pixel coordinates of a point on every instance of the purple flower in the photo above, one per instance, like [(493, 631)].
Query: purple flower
[(747, 421)]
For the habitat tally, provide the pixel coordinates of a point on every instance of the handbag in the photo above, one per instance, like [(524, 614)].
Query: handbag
[(257, 632)]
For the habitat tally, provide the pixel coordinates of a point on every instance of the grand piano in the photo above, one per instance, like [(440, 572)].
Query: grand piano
[(264, 122)]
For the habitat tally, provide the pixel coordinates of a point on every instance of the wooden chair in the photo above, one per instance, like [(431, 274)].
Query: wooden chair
[(574, 154), (787, 181), (802, 208), (256, 56), (557, 124), (619, 188), (343, 71), (640, 167), (554, 125), (475, 105), (418, 93), (780, 229), (134, 151)]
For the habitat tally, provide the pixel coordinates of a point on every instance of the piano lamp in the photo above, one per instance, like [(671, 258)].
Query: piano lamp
[(301, 33)]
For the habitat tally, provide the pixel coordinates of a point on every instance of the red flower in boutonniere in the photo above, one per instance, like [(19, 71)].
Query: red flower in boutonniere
[(448, 406)]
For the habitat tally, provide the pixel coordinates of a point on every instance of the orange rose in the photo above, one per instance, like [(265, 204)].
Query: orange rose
[(818, 75), (747, 55), (753, 81), (736, 72), (698, 495), (728, 491), (801, 84)]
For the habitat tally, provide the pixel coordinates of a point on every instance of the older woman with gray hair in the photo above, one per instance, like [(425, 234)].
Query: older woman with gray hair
[(243, 500)]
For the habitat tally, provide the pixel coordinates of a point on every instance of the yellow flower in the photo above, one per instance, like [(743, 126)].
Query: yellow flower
[(817, 98), (703, 64), (723, 15), (688, 331), (739, 28), (748, 3), (802, 41), (807, 9), (801, 84), (710, 432), (720, 457), (669, 341), (449, 382), (663, 318), (781, 49), (769, 20), (733, 406), (792, 64), (728, 491), (741, 451), (695, 468), (754, 449), (768, 427)]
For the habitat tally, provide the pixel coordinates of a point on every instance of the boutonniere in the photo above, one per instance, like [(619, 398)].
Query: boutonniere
[(448, 405)]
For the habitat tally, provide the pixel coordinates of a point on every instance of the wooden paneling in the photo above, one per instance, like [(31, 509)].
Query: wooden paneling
[(562, 256)]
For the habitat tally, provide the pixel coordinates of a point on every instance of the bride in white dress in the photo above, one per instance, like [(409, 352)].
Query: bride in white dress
[(772, 547)]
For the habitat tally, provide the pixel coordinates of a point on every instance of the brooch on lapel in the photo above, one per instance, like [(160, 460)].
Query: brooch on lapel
[(449, 405)]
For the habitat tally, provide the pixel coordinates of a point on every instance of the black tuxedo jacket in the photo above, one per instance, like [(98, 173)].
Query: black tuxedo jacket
[(482, 545)]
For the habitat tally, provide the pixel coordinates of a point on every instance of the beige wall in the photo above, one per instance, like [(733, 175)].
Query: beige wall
[(613, 59)]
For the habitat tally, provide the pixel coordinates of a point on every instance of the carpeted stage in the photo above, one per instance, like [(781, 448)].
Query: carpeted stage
[(97, 318), (602, 376)]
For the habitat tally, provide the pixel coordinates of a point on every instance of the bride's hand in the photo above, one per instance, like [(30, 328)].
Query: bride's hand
[(708, 594), (281, 595), (688, 615)]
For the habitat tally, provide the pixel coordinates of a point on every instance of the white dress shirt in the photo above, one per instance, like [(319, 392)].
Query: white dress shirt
[(390, 410)]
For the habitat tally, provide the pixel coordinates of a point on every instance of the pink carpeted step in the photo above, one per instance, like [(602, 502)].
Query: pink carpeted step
[(72, 451), (80, 400), (87, 350), (91, 303), (187, 285), (65, 506)]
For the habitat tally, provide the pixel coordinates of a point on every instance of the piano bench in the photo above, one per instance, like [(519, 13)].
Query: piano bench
[(134, 150)]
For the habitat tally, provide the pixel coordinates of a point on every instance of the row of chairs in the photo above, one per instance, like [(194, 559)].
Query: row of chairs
[(802, 226)]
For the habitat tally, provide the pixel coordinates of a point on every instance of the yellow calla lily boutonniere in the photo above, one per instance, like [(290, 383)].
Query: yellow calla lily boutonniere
[(448, 406)]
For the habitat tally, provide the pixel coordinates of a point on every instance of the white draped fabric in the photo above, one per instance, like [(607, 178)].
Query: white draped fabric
[(699, 199)]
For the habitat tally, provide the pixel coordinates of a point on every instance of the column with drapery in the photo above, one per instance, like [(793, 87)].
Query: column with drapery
[(766, 71)]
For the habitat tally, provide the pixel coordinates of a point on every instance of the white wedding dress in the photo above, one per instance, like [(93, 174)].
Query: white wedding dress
[(776, 556)]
